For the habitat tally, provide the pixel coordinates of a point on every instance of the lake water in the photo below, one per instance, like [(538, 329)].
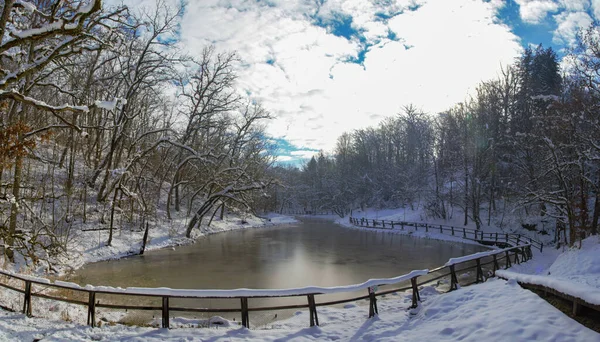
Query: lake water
[(312, 252)]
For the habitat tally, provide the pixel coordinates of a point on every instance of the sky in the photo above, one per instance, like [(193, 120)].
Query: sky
[(325, 67)]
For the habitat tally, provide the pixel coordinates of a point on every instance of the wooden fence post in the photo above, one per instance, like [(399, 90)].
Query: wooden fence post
[(452, 230), (479, 278), (245, 316), (507, 261), (441, 229), (541, 247), (496, 266), (576, 308), (517, 256), (392, 224), (453, 279), (372, 303), (416, 297), (312, 308), (91, 317), (426, 228), (27, 299), (383, 223), (165, 312), (464, 233), (496, 237)]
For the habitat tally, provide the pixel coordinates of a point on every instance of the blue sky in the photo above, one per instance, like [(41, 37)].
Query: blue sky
[(331, 66)]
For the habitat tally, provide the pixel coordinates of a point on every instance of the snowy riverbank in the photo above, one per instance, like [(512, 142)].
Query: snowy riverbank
[(497, 310), (409, 215), (88, 246)]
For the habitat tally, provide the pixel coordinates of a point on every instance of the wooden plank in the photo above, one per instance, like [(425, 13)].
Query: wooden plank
[(135, 307), (12, 288)]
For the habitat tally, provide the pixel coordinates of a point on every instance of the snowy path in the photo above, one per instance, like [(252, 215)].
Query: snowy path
[(493, 311), (575, 272)]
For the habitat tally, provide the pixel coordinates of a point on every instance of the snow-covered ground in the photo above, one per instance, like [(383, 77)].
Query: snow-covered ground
[(509, 224), (497, 310), (90, 246), (575, 272)]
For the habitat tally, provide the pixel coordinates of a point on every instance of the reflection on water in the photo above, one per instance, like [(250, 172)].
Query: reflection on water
[(313, 252)]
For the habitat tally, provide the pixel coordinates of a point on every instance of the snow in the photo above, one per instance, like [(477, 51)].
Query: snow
[(90, 246), (57, 25), (27, 5), (475, 256), (110, 105), (575, 272), (39, 103), (165, 291), (484, 312), (417, 215), (421, 233), (496, 310)]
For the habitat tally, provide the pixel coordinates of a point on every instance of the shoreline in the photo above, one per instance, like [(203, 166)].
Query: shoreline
[(418, 234), (94, 254)]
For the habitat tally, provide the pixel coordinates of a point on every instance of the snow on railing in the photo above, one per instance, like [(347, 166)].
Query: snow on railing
[(244, 294), (577, 292), (465, 233)]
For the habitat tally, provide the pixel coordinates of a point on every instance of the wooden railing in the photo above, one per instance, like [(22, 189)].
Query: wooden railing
[(506, 239), (37, 287), (308, 212)]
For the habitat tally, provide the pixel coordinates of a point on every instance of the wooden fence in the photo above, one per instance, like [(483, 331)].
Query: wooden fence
[(37, 287), (308, 212), (505, 239)]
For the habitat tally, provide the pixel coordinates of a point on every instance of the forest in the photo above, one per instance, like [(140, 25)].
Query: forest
[(526, 142), (106, 123)]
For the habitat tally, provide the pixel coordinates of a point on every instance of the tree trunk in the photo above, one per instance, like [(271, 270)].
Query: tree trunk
[(112, 218), (14, 208), (466, 196), (145, 239), (594, 228)]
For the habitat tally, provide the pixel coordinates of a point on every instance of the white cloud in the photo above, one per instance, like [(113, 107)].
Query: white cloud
[(534, 11), (311, 88), (575, 5), (569, 23), (284, 158), (596, 8), (304, 154)]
